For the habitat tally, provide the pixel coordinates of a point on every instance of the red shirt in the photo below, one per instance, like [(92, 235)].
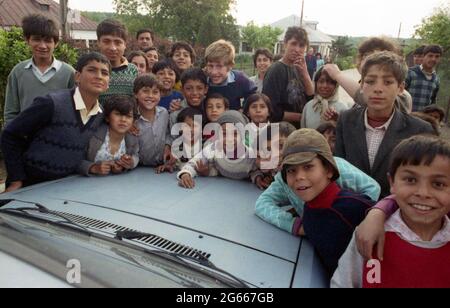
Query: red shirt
[(409, 266)]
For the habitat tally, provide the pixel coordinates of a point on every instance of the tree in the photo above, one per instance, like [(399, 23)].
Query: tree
[(184, 20), (436, 28), (260, 37), (98, 16), (343, 53), (209, 30), (342, 47)]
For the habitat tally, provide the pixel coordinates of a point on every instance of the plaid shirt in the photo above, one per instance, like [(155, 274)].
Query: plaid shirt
[(423, 91)]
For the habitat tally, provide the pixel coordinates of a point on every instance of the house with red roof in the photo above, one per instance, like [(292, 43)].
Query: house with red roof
[(81, 29)]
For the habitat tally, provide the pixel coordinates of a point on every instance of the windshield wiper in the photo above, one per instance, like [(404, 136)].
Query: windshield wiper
[(198, 259), (25, 211)]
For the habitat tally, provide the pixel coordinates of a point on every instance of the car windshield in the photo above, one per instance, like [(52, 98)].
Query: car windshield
[(105, 262)]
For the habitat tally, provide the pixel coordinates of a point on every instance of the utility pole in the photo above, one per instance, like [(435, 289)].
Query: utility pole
[(301, 18), (63, 12), (399, 31)]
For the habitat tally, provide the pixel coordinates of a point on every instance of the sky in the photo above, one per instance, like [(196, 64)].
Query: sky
[(344, 17)]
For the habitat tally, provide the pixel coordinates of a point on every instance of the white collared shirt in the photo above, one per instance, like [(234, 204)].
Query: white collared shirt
[(374, 137), (81, 107), (49, 72), (230, 79), (397, 225)]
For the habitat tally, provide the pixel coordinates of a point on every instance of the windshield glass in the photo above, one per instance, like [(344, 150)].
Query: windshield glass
[(103, 263)]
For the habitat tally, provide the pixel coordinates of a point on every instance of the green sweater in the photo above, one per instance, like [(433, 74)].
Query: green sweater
[(23, 87), (121, 82)]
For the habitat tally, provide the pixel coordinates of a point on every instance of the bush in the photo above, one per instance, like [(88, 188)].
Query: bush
[(244, 63), (13, 49), (346, 63)]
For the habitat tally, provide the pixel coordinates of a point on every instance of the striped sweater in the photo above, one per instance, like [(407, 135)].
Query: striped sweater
[(121, 82)]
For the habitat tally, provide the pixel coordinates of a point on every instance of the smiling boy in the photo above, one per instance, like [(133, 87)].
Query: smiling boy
[(153, 123), (194, 88), (42, 73), (232, 84), (330, 213), (367, 136), (48, 140), (184, 57), (417, 241)]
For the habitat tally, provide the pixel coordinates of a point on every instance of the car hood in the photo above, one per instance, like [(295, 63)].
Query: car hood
[(217, 217)]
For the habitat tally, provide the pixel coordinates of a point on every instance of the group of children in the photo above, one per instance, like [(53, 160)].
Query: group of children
[(319, 181)]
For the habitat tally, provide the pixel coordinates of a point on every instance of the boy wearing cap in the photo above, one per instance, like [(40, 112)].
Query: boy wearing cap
[(228, 156), (330, 213)]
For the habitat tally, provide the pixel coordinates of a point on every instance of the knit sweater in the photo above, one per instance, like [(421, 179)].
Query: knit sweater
[(239, 89), (23, 87), (269, 205), (330, 220), (121, 82), (48, 140)]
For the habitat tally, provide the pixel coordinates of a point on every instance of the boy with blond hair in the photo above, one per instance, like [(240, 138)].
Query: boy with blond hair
[(232, 84), (367, 136)]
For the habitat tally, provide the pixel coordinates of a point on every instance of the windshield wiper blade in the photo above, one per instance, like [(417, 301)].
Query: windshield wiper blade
[(199, 258), (43, 210), (134, 235)]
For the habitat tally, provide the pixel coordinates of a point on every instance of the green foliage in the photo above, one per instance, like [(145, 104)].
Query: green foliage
[(342, 47), (98, 16), (436, 28), (66, 53), (260, 37), (245, 64), (343, 53), (194, 21), (13, 49), (209, 30), (345, 63)]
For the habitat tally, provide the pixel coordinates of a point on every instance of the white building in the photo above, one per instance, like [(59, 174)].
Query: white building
[(320, 41)]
